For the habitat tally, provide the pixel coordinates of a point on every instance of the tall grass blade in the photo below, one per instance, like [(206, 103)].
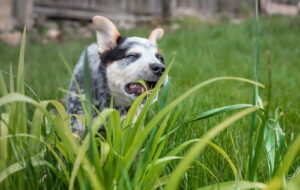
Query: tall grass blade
[(251, 169), (21, 114), (87, 80), (221, 110), (4, 119), (21, 70), (77, 164), (3, 87)]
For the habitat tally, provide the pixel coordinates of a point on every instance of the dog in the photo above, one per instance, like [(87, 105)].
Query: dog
[(115, 63)]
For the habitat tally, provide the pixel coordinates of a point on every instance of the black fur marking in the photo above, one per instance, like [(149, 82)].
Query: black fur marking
[(116, 53), (160, 58), (113, 55)]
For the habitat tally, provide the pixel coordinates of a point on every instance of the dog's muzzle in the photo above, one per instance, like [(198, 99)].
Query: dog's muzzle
[(138, 89)]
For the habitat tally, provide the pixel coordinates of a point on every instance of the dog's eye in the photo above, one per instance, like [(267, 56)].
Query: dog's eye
[(133, 55), (160, 58)]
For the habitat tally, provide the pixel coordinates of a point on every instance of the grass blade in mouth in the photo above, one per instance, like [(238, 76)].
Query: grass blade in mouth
[(142, 82)]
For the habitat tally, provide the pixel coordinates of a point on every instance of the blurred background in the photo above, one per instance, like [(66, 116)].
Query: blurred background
[(40, 14)]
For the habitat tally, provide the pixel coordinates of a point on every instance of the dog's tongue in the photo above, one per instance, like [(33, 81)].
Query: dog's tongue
[(135, 88)]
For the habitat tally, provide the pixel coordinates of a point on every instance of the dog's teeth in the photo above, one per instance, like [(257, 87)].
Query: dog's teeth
[(139, 90)]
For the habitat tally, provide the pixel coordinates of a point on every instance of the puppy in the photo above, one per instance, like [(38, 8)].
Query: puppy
[(115, 64)]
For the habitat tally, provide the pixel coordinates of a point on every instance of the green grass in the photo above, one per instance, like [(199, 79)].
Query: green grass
[(202, 51)]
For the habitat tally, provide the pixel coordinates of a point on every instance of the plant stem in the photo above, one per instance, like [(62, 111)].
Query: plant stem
[(256, 60)]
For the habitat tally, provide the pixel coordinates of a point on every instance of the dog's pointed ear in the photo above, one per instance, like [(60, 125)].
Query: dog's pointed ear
[(106, 33), (156, 34)]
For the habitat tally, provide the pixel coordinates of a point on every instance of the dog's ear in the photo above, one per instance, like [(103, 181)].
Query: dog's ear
[(106, 32), (156, 34)]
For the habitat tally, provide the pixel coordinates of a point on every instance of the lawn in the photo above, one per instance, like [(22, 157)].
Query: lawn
[(201, 51)]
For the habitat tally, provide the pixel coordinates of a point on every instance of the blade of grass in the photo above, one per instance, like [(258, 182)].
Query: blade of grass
[(3, 132), (251, 169), (3, 87), (218, 111), (21, 70), (21, 114)]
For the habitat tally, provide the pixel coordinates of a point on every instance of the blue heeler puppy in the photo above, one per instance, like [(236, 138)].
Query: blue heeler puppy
[(115, 64)]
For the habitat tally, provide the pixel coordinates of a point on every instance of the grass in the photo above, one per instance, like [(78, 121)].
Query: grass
[(201, 51)]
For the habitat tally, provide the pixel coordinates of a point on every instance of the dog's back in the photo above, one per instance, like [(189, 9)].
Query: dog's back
[(100, 92)]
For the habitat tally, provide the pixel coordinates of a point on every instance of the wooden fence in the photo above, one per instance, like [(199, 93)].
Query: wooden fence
[(139, 9), (147, 9), (22, 11), (85, 9)]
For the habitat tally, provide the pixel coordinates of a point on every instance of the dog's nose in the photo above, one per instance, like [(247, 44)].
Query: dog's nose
[(157, 68)]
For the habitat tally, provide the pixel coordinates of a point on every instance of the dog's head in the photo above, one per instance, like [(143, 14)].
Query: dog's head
[(128, 60)]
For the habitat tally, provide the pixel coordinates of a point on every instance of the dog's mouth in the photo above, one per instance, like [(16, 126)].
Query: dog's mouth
[(137, 88)]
